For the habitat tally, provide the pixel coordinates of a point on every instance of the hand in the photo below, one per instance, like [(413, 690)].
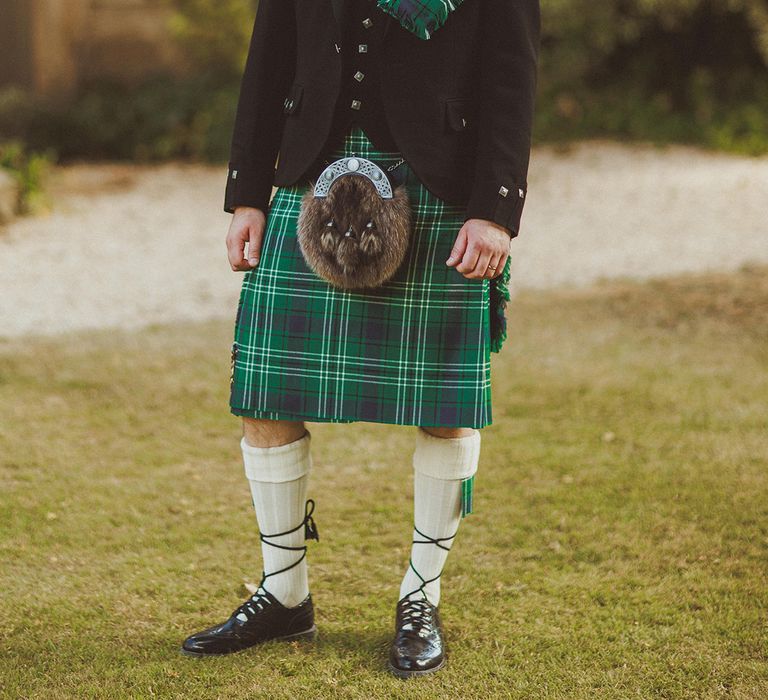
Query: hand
[(247, 226), (480, 243)]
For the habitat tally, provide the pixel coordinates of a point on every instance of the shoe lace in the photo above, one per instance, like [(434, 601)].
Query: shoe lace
[(416, 616), (437, 541), (259, 600)]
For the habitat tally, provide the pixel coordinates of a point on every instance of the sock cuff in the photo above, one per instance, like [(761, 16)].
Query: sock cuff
[(446, 458), (280, 463)]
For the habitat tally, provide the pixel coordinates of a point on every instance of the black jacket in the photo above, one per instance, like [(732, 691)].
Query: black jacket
[(459, 105)]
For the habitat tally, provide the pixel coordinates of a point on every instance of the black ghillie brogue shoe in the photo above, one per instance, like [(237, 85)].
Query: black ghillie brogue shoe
[(418, 645), (262, 617)]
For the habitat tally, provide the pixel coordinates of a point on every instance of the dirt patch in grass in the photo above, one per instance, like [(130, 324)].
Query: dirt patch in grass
[(733, 301)]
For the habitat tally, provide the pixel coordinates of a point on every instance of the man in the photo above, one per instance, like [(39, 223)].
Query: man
[(446, 102)]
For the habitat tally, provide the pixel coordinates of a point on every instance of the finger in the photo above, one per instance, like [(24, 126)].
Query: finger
[(481, 266), (254, 246), (458, 249), (500, 265), (235, 253), (469, 260), (237, 260), (494, 266)]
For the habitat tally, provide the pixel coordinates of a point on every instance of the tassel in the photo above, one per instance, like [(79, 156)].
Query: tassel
[(499, 294), (467, 489), (310, 529)]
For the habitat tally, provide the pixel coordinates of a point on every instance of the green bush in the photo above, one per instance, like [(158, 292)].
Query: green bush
[(214, 32), (665, 70), (29, 170), (166, 117), (691, 71)]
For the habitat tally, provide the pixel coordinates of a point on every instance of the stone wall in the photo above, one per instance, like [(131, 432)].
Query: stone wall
[(51, 46)]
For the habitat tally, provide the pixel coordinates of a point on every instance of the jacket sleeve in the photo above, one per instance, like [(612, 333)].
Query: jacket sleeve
[(509, 48), (259, 120)]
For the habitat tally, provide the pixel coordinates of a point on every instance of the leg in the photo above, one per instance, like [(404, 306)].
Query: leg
[(449, 432), (443, 459), (261, 432), (277, 463)]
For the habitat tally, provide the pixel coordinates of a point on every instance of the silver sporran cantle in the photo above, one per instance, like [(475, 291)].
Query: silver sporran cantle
[(353, 227)]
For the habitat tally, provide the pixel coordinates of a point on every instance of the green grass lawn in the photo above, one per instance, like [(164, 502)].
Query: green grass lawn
[(618, 549)]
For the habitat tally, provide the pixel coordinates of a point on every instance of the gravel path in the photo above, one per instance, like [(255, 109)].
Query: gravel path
[(129, 245)]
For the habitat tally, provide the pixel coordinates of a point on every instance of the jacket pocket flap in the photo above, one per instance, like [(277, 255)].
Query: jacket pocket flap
[(457, 113)]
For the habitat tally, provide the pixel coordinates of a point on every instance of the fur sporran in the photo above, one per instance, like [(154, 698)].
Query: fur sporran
[(351, 235)]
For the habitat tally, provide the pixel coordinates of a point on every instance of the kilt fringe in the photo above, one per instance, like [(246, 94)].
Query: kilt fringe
[(499, 294)]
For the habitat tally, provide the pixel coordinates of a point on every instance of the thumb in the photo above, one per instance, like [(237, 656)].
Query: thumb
[(460, 245)]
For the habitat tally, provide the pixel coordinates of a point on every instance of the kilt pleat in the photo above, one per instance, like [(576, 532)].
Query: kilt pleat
[(414, 351)]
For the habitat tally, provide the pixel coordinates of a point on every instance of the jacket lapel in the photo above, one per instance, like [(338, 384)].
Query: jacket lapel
[(339, 7), (389, 20)]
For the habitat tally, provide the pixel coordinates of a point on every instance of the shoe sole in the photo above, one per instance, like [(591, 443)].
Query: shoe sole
[(309, 634), (402, 673)]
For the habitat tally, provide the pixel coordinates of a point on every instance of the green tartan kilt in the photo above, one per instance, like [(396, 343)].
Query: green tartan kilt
[(415, 351)]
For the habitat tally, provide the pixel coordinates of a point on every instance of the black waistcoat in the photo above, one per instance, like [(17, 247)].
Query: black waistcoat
[(359, 101)]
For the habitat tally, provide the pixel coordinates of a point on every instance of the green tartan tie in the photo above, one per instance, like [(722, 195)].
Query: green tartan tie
[(422, 17)]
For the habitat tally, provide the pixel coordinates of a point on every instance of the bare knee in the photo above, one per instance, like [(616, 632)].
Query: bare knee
[(449, 432), (265, 432)]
